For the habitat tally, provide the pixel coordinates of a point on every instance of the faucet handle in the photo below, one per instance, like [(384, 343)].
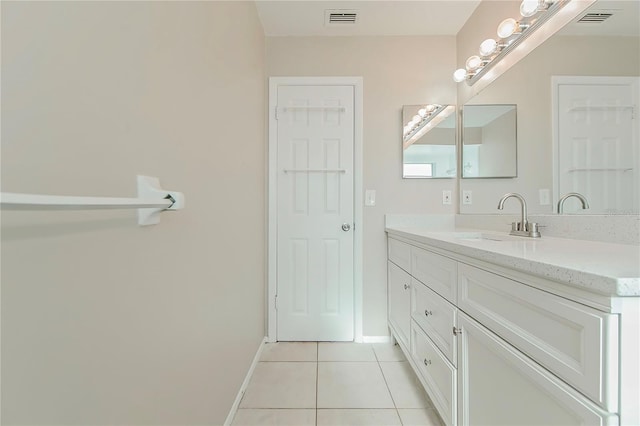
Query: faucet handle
[(534, 230)]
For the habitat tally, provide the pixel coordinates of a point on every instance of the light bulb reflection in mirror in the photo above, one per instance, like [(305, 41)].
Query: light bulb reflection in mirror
[(529, 7), (488, 47), (473, 63), (507, 28)]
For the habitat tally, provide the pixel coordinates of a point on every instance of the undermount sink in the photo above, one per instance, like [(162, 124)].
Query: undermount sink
[(484, 236)]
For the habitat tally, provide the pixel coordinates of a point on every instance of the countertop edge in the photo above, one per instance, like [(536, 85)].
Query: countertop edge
[(596, 283)]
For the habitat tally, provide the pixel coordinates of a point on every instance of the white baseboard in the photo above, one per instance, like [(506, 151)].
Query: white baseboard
[(243, 388), (376, 339)]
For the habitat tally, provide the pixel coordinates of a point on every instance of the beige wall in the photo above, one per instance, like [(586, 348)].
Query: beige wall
[(396, 71), (498, 151), (105, 322)]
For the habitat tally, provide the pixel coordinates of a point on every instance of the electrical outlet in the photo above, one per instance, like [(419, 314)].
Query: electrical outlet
[(446, 197), (545, 197), (466, 197)]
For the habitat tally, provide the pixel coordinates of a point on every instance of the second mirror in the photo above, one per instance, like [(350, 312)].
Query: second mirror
[(489, 142), (429, 141)]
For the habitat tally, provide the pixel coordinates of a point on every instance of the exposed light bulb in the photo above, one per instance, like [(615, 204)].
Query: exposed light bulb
[(473, 63), (507, 28), (488, 47), (422, 112), (430, 108), (529, 7), (417, 118), (459, 75)]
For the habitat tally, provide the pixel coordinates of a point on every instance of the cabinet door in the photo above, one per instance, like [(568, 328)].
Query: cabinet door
[(498, 385), (399, 294), (577, 343)]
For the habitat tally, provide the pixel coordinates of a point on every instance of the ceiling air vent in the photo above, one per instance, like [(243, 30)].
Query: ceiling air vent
[(595, 17), (340, 17)]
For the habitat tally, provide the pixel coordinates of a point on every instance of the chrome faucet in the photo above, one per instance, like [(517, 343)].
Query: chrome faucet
[(524, 228), (583, 200)]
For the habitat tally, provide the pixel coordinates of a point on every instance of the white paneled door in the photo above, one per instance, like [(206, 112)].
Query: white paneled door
[(315, 213), (598, 144)]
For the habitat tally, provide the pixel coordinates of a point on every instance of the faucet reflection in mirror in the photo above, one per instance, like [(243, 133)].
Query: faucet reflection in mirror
[(511, 32), (583, 201)]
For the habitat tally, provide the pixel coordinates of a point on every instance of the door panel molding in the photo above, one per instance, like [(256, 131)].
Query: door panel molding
[(556, 83), (274, 83)]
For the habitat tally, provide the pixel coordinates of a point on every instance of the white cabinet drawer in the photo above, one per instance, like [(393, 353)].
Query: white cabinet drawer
[(437, 317), (438, 374), (399, 294), (399, 253), (436, 271), (577, 343)]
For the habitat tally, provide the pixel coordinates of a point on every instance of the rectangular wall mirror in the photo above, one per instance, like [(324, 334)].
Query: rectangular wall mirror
[(489, 142), (429, 141)]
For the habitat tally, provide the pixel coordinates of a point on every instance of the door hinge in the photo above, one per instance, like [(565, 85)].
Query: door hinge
[(275, 302), (457, 331), (277, 116)]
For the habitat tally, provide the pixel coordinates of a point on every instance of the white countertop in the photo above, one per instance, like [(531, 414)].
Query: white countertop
[(605, 268)]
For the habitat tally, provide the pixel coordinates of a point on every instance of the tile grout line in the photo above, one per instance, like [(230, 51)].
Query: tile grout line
[(387, 384), (389, 389)]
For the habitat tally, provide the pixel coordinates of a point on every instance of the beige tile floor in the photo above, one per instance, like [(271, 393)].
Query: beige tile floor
[(350, 384)]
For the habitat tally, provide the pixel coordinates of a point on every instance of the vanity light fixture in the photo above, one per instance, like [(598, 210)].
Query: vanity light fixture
[(429, 117), (511, 33)]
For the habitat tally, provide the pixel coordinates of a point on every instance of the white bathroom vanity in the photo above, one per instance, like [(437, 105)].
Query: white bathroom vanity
[(512, 330)]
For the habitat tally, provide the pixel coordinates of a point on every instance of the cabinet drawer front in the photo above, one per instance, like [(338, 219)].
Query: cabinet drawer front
[(438, 374), (437, 272), (577, 343), (501, 386), (436, 316), (399, 296), (399, 253)]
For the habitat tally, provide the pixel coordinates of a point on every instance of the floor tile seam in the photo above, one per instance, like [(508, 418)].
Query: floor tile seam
[(275, 408), (390, 393)]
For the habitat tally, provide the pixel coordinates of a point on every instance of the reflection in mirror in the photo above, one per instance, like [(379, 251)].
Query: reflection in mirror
[(489, 141), (584, 48), (428, 141)]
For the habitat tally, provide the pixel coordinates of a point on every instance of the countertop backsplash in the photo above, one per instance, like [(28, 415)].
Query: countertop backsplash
[(620, 229)]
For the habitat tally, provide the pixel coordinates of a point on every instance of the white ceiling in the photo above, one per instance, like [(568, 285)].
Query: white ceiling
[(374, 17), (624, 22), (414, 17)]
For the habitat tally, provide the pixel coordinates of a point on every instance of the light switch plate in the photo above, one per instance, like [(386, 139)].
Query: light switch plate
[(545, 197), (370, 197)]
